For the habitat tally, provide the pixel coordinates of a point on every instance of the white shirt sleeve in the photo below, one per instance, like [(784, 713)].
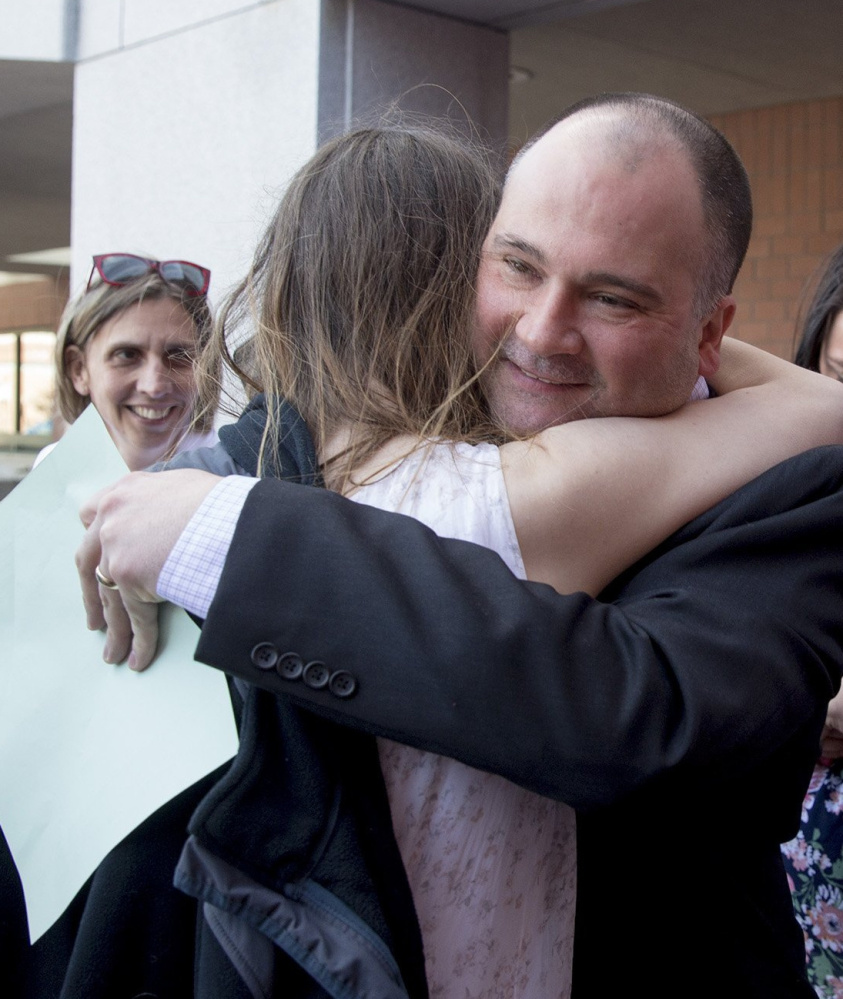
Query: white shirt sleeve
[(193, 569), (700, 390)]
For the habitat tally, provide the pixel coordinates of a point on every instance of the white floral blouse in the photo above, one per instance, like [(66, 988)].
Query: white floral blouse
[(492, 867)]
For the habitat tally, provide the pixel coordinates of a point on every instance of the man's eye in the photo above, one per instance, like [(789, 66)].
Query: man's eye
[(614, 301), (518, 266)]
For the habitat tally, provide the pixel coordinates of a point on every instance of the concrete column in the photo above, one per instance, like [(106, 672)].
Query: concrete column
[(191, 115), (188, 119), (376, 56)]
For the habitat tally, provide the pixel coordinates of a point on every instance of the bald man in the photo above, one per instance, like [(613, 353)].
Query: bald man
[(680, 712)]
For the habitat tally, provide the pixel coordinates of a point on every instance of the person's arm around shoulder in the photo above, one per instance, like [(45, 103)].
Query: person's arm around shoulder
[(705, 663), (831, 746), (592, 497)]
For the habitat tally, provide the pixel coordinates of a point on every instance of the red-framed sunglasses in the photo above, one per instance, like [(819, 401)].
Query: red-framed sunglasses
[(122, 268)]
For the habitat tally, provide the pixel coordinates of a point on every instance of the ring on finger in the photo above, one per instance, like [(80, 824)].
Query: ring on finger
[(104, 580)]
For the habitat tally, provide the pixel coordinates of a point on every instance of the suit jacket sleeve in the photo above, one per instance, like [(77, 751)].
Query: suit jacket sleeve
[(703, 660)]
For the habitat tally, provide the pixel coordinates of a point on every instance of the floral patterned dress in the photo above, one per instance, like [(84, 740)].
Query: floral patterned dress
[(814, 865)]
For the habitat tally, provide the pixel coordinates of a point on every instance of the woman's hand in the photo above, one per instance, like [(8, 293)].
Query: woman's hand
[(832, 738), (132, 526)]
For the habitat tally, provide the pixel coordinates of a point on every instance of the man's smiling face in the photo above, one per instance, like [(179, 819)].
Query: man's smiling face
[(588, 279)]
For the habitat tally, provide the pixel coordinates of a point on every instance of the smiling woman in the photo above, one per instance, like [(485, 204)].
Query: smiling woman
[(128, 346)]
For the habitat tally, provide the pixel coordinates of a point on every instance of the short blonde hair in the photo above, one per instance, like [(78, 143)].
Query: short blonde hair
[(85, 315)]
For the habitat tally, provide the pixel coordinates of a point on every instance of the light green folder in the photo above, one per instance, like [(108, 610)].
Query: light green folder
[(87, 750)]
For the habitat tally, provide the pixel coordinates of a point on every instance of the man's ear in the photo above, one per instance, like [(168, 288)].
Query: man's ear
[(74, 363), (712, 332)]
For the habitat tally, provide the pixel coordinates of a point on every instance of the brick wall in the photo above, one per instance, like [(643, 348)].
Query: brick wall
[(793, 154), (33, 304)]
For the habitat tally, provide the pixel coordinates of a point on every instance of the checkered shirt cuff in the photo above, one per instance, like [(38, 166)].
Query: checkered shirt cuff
[(700, 390), (192, 572)]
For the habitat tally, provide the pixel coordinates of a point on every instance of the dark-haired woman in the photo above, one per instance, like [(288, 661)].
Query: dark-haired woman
[(814, 859)]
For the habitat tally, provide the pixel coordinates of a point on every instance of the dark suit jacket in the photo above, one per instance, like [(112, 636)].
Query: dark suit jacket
[(679, 714), (301, 889)]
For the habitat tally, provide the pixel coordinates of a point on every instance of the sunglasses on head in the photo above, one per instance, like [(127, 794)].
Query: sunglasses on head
[(122, 268)]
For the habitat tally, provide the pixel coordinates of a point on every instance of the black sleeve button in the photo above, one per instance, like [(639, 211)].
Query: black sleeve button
[(290, 666), (342, 684), (264, 655), (316, 675)]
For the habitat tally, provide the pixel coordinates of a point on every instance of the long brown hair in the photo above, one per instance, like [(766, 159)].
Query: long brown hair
[(361, 292)]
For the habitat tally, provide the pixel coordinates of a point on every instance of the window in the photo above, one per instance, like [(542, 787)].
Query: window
[(26, 383)]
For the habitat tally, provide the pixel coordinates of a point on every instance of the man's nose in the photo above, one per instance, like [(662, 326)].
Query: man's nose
[(550, 324), (154, 378)]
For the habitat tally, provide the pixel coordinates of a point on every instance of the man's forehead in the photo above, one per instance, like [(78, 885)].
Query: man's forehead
[(556, 140), (586, 157)]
